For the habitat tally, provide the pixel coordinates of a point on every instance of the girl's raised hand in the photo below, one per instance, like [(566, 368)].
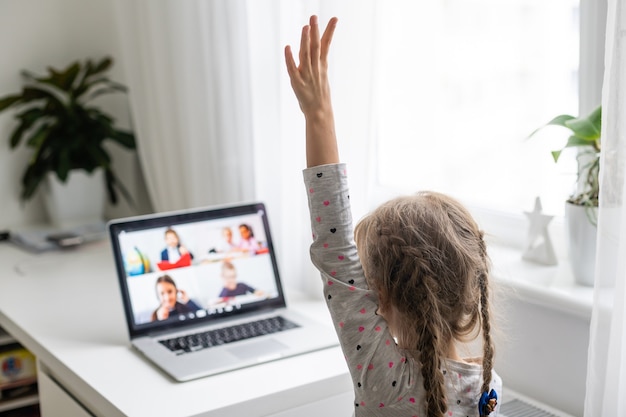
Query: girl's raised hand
[(309, 81)]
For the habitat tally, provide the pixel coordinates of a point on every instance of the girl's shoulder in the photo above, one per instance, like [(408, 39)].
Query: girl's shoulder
[(468, 367)]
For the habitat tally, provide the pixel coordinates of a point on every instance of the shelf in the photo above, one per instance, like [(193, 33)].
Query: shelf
[(31, 410), (13, 404), (18, 383), (16, 395)]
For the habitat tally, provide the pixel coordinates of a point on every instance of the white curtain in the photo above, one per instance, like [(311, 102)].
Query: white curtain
[(279, 124), (606, 369), (187, 68), (215, 117)]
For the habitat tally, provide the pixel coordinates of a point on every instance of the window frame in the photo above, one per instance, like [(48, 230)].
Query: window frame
[(508, 228)]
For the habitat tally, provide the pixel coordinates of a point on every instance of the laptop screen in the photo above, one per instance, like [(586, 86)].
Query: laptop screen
[(181, 268)]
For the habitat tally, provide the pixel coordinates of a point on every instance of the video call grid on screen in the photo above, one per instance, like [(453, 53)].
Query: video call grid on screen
[(201, 278)]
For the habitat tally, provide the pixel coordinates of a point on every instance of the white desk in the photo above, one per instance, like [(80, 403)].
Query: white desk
[(65, 307)]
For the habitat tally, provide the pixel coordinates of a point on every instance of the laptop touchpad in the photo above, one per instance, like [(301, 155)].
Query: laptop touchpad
[(261, 348)]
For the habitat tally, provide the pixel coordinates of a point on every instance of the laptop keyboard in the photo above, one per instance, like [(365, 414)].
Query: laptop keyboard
[(217, 337)]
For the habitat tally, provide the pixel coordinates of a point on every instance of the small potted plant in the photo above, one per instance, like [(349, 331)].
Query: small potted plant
[(582, 205), (66, 132)]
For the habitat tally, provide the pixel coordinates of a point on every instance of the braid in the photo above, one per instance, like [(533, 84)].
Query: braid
[(426, 258), (488, 349), (482, 247), (430, 357)]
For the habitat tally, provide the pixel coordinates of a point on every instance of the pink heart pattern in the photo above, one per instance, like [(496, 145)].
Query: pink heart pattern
[(356, 325)]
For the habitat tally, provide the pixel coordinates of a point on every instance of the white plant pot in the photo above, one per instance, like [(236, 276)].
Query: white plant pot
[(79, 201), (581, 240)]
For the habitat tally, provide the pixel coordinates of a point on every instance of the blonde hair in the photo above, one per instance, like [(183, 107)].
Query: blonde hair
[(425, 256)]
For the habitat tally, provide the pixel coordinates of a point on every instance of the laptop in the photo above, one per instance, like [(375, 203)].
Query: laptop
[(202, 294)]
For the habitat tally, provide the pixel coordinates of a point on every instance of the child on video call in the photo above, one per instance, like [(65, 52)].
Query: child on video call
[(232, 287), (415, 283), (248, 243), (174, 249), (173, 301)]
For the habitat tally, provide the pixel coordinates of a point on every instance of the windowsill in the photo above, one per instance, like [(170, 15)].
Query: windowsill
[(552, 287), (549, 286)]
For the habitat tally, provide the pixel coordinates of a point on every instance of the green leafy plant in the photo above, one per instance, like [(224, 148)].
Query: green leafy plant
[(66, 132), (585, 135)]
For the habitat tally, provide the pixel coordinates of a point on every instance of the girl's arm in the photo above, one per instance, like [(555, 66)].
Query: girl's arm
[(376, 365), (309, 81)]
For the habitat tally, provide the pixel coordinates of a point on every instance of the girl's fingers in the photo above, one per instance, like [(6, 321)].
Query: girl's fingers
[(291, 63), (327, 37), (314, 42), (305, 53), (313, 50)]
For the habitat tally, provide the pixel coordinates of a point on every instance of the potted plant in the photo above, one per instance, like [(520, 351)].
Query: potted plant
[(582, 206), (67, 133)]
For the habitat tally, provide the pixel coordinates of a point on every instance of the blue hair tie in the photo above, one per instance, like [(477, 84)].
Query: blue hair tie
[(487, 403)]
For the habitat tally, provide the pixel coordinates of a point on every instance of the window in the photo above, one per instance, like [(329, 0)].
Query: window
[(460, 86)]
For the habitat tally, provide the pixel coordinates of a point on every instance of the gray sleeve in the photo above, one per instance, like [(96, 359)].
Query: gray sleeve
[(377, 366)]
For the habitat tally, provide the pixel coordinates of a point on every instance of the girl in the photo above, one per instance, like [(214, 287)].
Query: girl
[(173, 301), (415, 283), (247, 243), (173, 249)]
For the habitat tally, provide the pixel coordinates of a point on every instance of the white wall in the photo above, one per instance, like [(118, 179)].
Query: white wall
[(542, 353), (35, 34)]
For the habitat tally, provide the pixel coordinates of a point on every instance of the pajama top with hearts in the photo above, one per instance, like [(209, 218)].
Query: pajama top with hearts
[(387, 380)]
